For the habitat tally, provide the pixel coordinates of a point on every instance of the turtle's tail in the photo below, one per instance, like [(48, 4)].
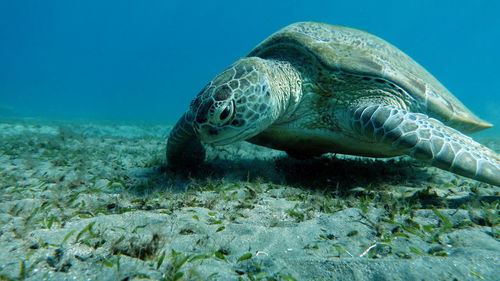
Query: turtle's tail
[(429, 140), (184, 149)]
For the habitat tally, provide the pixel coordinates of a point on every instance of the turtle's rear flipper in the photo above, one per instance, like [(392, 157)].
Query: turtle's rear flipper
[(428, 140), (184, 149)]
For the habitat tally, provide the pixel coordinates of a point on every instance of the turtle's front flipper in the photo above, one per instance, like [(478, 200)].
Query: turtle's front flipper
[(429, 140), (184, 149)]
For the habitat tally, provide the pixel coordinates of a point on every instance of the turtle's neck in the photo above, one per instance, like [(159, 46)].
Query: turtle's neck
[(286, 83)]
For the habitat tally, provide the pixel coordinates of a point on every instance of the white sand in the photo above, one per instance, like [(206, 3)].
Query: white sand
[(88, 201)]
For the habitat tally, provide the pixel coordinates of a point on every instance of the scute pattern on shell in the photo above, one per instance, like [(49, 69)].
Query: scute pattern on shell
[(352, 51)]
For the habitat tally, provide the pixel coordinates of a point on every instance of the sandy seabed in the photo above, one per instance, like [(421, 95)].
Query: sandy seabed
[(95, 201)]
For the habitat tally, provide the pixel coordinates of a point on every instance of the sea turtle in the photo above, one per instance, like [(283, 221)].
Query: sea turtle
[(313, 88)]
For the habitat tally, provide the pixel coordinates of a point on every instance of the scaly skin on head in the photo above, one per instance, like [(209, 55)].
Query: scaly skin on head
[(244, 100)]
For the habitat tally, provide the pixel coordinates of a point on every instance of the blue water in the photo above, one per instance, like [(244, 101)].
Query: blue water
[(145, 60)]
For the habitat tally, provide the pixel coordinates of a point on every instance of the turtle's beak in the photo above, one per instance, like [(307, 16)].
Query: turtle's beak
[(216, 136)]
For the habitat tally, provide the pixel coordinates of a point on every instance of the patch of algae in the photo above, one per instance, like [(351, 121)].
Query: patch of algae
[(93, 201)]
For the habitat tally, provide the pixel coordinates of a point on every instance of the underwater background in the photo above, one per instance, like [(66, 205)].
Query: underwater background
[(145, 60), (90, 90)]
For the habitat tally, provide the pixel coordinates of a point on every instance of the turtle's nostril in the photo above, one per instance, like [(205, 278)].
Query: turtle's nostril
[(201, 116)]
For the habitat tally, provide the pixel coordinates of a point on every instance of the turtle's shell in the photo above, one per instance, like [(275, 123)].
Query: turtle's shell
[(351, 51)]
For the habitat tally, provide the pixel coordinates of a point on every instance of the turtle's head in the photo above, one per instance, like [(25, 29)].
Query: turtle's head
[(236, 105)]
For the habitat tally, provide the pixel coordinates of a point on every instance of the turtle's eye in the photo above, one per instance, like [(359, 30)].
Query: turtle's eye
[(226, 114)]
